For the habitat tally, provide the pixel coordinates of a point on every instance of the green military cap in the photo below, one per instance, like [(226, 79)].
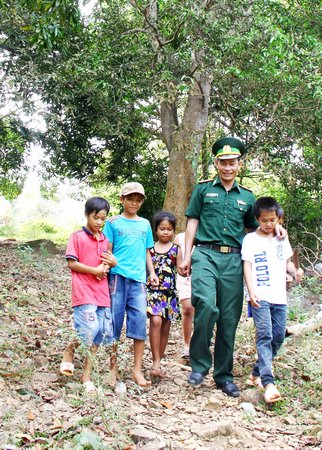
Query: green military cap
[(228, 148)]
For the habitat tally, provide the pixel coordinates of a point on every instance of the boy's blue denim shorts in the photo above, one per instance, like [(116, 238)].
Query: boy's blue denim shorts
[(128, 296), (93, 324)]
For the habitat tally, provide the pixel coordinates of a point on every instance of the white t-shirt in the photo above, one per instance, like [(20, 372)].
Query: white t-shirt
[(268, 257)]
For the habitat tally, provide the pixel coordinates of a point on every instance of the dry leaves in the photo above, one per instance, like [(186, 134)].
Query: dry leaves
[(40, 409)]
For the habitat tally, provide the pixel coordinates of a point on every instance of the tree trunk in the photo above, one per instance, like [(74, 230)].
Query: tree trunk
[(185, 148)]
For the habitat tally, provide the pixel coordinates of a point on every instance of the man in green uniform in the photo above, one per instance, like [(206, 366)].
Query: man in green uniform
[(218, 213)]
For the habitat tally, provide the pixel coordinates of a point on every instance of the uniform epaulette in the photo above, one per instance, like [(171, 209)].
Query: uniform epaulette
[(204, 181), (246, 189)]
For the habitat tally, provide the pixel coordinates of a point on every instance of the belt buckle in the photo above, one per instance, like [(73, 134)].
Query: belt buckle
[(224, 249)]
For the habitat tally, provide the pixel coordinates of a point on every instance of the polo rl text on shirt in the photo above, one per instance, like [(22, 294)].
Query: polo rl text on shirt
[(262, 273)]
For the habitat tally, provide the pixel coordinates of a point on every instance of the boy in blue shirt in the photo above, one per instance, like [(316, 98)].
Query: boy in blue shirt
[(130, 238)]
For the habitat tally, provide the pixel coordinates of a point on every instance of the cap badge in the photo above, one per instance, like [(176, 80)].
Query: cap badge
[(226, 149)]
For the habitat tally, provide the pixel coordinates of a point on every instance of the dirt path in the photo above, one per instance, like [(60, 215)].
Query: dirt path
[(40, 409)]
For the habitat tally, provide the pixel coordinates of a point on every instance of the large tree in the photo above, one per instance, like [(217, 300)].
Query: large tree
[(184, 72)]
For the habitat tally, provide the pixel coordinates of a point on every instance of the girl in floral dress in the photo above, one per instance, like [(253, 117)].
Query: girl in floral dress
[(162, 300)]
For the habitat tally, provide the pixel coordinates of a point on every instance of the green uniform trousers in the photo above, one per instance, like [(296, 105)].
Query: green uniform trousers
[(217, 295)]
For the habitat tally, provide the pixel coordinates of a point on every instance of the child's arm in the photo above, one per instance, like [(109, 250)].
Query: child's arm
[(108, 259), (296, 273), (153, 278), (99, 271), (185, 266), (248, 278), (179, 257)]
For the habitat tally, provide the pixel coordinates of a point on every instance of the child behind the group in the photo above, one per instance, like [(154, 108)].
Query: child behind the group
[(90, 296), (130, 238), (162, 301), (289, 278), (184, 295), (266, 260)]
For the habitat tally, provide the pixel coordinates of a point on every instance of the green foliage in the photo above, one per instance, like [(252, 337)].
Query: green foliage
[(102, 82), (296, 312), (13, 143), (26, 254), (42, 24), (37, 228), (10, 189), (88, 440)]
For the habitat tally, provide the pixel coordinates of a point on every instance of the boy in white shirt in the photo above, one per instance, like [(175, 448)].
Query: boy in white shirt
[(266, 260)]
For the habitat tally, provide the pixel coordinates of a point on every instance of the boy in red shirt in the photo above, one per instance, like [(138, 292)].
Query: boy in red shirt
[(90, 295)]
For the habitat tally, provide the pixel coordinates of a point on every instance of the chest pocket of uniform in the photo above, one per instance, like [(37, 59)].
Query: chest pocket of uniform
[(239, 210), (211, 204)]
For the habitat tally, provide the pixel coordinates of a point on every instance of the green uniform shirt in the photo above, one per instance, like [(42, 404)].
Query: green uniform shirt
[(223, 216)]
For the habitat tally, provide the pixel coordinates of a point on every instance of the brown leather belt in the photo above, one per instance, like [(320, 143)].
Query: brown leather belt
[(220, 248)]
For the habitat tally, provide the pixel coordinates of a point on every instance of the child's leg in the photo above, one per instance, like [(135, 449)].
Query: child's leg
[(68, 354), (137, 374), (165, 330), (67, 366), (136, 326), (118, 292), (278, 313), (88, 324), (187, 316), (155, 340), (264, 336), (88, 364), (113, 358), (105, 337)]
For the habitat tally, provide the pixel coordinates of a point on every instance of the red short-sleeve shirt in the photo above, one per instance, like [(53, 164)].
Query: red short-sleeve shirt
[(86, 288)]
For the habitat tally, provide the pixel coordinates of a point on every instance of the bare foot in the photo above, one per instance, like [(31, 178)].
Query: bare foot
[(157, 372), (139, 379), (89, 387), (254, 381), (85, 378), (112, 376)]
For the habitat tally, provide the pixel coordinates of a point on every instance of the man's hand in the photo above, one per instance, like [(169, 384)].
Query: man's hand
[(184, 268), (281, 233)]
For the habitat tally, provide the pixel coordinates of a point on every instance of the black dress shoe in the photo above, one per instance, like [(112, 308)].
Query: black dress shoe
[(229, 388), (195, 378)]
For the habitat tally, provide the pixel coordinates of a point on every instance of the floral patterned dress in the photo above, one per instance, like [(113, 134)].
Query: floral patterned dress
[(162, 300)]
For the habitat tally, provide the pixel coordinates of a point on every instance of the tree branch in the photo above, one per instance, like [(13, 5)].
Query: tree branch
[(135, 30)]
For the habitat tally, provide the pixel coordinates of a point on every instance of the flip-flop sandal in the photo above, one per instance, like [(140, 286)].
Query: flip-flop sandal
[(89, 387), (254, 381), (67, 368), (271, 394)]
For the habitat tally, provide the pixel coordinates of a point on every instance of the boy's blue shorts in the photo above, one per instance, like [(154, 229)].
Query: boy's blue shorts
[(128, 296), (93, 324)]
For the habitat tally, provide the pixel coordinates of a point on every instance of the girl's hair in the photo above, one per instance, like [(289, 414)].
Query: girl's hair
[(96, 204), (164, 215), (265, 204), (280, 213)]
